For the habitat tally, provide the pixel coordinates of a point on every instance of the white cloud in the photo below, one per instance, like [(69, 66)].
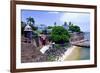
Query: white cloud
[(53, 12), (80, 19), (73, 17)]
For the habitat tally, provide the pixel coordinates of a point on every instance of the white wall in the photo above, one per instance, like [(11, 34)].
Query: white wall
[(5, 37)]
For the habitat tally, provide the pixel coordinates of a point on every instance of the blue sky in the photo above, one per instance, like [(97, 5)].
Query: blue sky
[(48, 18)]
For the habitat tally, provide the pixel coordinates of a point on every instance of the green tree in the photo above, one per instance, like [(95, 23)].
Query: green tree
[(74, 28), (30, 20), (49, 27), (65, 23), (55, 23), (70, 23), (45, 31), (59, 35)]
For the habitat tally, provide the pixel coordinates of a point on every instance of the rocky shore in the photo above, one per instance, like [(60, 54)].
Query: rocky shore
[(53, 54)]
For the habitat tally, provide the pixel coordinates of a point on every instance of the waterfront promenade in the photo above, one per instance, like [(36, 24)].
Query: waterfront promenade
[(81, 43)]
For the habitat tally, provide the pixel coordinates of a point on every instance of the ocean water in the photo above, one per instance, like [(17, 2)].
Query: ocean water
[(85, 52)]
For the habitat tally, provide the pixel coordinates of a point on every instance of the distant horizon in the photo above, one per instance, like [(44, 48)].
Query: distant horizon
[(48, 18)]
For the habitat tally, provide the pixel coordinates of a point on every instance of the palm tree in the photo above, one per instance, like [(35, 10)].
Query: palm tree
[(70, 23), (30, 21), (55, 23), (65, 25)]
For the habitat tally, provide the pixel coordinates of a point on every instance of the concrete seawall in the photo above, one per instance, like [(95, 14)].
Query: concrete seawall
[(82, 43)]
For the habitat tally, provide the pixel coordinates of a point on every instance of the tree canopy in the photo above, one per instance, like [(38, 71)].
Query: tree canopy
[(30, 20), (74, 28), (59, 35)]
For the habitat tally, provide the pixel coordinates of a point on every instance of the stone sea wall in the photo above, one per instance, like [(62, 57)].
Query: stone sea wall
[(76, 36)]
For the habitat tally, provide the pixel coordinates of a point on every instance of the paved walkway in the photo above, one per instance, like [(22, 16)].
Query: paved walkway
[(82, 43)]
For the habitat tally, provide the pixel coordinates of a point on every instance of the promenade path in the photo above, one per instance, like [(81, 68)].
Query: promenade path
[(81, 43)]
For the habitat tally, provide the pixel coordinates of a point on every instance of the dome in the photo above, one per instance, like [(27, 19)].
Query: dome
[(27, 28)]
